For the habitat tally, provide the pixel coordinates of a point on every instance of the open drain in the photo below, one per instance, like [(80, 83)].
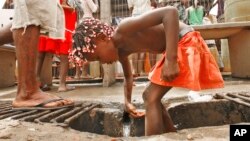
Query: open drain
[(87, 116), (107, 118), (64, 116)]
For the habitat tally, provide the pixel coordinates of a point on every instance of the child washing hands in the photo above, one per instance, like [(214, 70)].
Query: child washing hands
[(186, 60)]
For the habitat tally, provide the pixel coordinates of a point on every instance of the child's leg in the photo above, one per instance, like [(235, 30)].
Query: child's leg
[(167, 121), (85, 68), (157, 120), (39, 64), (78, 71), (64, 67)]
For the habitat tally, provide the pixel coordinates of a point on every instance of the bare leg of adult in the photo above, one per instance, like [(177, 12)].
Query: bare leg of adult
[(64, 67), (28, 92), (156, 121), (6, 35)]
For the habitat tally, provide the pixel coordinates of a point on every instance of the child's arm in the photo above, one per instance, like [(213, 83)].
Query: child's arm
[(128, 85), (168, 16)]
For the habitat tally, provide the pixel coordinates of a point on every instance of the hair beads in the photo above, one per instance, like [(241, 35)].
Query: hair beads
[(88, 29)]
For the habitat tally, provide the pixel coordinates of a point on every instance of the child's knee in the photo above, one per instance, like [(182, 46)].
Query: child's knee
[(145, 95), (148, 97)]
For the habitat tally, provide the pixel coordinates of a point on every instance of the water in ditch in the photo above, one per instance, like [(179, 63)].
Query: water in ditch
[(126, 125)]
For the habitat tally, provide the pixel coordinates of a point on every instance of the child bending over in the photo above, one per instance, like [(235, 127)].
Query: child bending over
[(186, 60)]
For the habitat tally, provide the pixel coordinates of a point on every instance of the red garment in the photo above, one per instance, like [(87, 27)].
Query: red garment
[(198, 68), (58, 46)]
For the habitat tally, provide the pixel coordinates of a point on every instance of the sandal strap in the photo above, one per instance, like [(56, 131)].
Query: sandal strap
[(48, 101)]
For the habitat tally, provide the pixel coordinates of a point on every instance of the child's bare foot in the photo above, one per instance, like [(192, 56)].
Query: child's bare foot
[(39, 100), (65, 89), (86, 76), (77, 77)]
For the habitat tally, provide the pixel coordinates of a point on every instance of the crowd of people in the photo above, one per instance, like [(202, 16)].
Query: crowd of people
[(201, 12), (192, 12), (46, 26)]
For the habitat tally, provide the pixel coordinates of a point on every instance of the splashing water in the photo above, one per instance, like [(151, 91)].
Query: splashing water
[(126, 130), (126, 124)]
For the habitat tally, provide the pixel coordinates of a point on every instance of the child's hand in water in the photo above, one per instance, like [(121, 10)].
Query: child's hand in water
[(133, 112)]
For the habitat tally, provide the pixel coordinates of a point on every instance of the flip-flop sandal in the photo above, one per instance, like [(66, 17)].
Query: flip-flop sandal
[(41, 106)]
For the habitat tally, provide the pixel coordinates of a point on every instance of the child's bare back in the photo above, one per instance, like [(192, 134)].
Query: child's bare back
[(151, 39)]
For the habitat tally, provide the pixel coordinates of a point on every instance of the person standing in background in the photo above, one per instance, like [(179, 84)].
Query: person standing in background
[(89, 7), (9, 4), (136, 8), (181, 7), (59, 47), (31, 17), (217, 11), (195, 13), (162, 3), (212, 46)]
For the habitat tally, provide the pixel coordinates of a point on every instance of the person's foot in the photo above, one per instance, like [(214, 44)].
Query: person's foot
[(44, 100), (69, 78), (65, 89), (86, 77), (77, 77)]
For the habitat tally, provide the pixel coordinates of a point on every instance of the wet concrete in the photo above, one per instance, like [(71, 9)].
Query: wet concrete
[(114, 94), (96, 92), (25, 131)]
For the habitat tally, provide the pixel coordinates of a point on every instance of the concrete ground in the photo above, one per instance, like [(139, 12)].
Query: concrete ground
[(95, 92)]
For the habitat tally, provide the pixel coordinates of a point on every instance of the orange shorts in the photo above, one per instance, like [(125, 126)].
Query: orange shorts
[(198, 68)]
